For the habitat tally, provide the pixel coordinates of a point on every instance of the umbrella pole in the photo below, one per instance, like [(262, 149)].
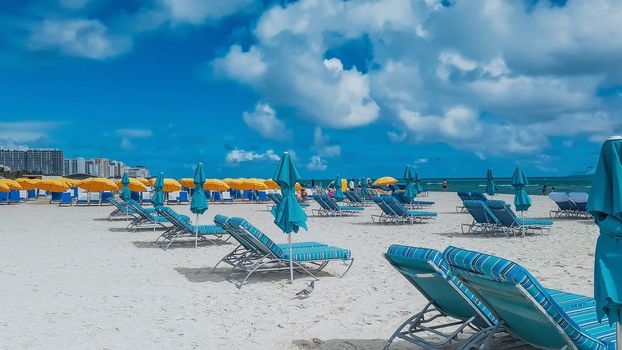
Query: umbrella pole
[(291, 263), (196, 231), (618, 335)]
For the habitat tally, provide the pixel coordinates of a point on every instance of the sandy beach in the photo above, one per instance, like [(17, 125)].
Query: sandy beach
[(71, 280)]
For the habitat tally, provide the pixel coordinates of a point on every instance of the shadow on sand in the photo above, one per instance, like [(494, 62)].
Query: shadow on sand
[(350, 344), (204, 274)]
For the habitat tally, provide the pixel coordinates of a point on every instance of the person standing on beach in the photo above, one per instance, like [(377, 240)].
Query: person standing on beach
[(552, 188), (444, 184), (544, 190), (351, 185), (312, 183)]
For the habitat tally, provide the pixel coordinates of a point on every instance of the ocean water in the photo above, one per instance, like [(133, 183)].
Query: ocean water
[(561, 184)]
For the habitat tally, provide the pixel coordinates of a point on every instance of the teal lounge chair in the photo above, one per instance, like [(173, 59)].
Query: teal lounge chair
[(387, 215), (484, 220), (512, 224), (258, 253), (525, 309), (145, 219), (341, 210), (123, 210), (452, 309), (408, 216), (182, 228)]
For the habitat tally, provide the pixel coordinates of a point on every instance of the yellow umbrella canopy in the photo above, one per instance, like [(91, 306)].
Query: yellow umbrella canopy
[(170, 185), (98, 184), (145, 182), (70, 182), (135, 185), (52, 185), (4, 187), (215, 185), (271, 184), (12, 184), (256, 184), (187, 182), (28, 184), (298, 186), (385, 181)]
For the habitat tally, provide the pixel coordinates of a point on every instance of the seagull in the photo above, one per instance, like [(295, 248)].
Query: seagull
[(307, 291)]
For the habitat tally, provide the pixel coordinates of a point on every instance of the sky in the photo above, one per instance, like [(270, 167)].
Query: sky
[(355, 88)]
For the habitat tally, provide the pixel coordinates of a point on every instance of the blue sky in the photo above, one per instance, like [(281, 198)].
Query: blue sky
[(357, 88)]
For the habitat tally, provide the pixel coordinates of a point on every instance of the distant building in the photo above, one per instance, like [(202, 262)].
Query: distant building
[(138, 171), (75, 166), (35, 161)]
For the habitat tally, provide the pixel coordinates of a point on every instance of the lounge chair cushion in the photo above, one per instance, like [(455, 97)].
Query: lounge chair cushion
[(318, 253), (579, 323)]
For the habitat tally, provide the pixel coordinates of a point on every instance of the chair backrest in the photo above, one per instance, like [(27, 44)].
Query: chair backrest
[(65, 198), (173, 196), (14, 195), (23, 194), (116, 203), (464, 196), (517, 298), (253, 235), (226, 195), (95, 196), (580, 199), (383, 206), (320, 200), (563, 201), (478, 196), (427, 270), (183, 196), (503, 212), (139, 209), (82, 196), (330, 203), (55, 196), (135, 196), (397, 207), (235, 232), (174, 218), (105, 195), (480, 212), (32, 193)]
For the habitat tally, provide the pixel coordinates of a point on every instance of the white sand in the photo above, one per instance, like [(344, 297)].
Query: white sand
[(69, 280)]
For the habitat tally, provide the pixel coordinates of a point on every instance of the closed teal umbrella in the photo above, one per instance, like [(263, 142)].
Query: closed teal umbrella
[(288, 214), (605, 205), (491, 187), (158, 195), (410, 191), (522, 202), (125, 191), (198, 204), (417, 181), (364, 191), (338, 190)]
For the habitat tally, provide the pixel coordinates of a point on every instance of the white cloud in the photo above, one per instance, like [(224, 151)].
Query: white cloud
[(137, 133), (263, 120), (199, 11), (77, 37), (323, 146), (316, 163), (238, 156), (396, 137), (245, 66), (20, 134), (421, 161)]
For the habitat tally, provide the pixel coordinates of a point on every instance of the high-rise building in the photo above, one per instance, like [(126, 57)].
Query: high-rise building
[(36, 161), (75, 166), (138, 171)]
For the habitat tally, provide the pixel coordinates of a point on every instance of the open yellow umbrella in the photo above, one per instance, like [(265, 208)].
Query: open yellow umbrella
[(12, 184), (272, 184), (28, 184), (135, 185), (4, 187), (98, 184), (187, 182), (170, 185), (52, 185), (385, 181), (298, 187), (145, 182), (256, 184), (70, 182), (215, 185)]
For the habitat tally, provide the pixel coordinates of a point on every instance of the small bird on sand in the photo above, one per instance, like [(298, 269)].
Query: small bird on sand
[(307, 291)]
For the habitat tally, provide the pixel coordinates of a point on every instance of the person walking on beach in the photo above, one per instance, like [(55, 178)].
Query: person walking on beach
[(351, 185), (444, 184), (544, 190)]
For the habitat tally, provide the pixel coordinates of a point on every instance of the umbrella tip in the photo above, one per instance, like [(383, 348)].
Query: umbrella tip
[(614, 137)]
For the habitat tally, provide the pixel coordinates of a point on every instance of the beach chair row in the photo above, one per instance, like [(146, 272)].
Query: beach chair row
[(465, 196), (329, 207), (394, 212), (497, 216), (481, 301), (570, 205), (412, 204)]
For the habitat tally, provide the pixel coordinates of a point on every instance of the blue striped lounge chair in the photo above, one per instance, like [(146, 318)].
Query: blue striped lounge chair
[(463, 197), (565, 206), (544, 318), (55, 197), (511, 223), (146, 219), (341, 210), (452, 309), (360, 199), (387, 215), (123, 210), (324, 209), (478, 196), (484, 220), (412, 203), (182, 228), (261, 254), (408, 216)]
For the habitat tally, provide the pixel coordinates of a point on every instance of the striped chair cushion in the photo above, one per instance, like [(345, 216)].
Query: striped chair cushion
[(318, 253), (535, 222), (416, 213), (260, 236), (208, 229), (435, 257), (577, 322), (299, 245)]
